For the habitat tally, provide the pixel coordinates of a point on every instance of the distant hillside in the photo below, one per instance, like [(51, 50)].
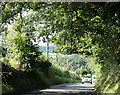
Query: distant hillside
[(69, 62), (43, 48)]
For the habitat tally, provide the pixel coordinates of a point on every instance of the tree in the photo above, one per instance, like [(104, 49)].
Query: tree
[(20, 45), (89, 28), (76, 32)]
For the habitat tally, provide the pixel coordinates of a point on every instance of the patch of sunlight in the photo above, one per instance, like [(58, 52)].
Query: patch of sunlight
[(106, 88), (112, 90), (65, 90), (14, 63), (106, 80), (90, 86)]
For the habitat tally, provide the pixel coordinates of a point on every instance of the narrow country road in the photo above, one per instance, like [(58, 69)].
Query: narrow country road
[(67, 89)]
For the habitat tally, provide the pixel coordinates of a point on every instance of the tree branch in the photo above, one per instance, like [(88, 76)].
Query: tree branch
[(3, 6), (13, 14)]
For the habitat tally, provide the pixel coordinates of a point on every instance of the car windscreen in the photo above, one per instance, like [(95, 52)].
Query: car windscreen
[(87, 77)]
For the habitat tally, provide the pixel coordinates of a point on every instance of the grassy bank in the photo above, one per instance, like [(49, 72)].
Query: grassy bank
[(110, 82), (22, 81)]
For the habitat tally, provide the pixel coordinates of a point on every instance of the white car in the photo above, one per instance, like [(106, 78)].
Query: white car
[(93, 79), (86, 79)]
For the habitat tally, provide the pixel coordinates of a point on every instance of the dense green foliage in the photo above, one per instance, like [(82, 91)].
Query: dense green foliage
[(109, 83), (22, 57), (20, 81), (89, 28), (74, 63)]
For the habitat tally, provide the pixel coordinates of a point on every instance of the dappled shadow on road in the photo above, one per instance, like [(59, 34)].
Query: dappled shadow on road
[(58, 93), (64, 89), (67, 89), (81, 93)]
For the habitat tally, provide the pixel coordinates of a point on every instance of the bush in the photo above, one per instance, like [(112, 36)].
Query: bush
[(24, 81)]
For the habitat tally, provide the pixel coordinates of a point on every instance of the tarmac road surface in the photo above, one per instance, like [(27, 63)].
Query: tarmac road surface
[(66, 89)]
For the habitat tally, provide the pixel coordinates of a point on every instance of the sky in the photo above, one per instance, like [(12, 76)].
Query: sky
[(44, 44)]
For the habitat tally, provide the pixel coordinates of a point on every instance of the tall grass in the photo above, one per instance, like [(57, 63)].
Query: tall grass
[(24, 81), (110, 82)]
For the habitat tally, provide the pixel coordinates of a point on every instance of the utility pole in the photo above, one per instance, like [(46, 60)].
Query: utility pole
[(67, 64), (78, 64), (47, 47), (47, 50)]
